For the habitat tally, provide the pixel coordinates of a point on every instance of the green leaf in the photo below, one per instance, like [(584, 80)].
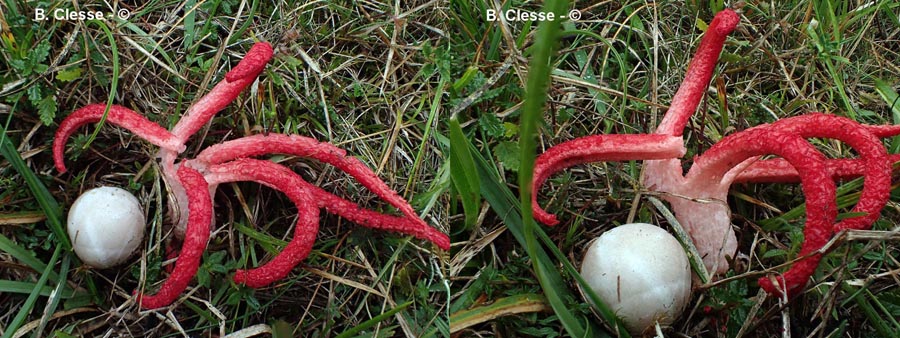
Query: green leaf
[(20, 65), (40, 68), (701, 25), (282, 329), (491, 125), (508, 154), (35, 94), (463, 173), (467, 77), (48, 204), (69, 74), (47, 109), (511, 129), (39, 53), (202, 276)]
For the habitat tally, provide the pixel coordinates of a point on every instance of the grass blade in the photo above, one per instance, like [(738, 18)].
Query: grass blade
[(861, 299), (532, 108), (55, 296), (535, 100), (32, 298), (12, 286), (48, 204), (371, 322), (22, 255), (115, 79), (505, 306), (463, 173), (893, 100), (504, 204)]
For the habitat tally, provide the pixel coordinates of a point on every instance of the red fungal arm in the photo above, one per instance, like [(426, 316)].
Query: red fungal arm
[(252, 64), (119, 116), (375, 220), (877, 168), (223, 93), (617, 147), (195, 241), (308, 147), (282, 179), (819, 189), (885, 130), (777, 170), (699, 72)]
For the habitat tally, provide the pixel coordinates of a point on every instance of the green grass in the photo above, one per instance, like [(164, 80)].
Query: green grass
[(615, 72), (369, 77)]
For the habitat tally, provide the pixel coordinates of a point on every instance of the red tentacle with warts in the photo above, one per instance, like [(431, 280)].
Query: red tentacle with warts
[(223, 93), (615, 147), (195, 241), (282, 179), (818, 188), (777, 170), (876, 187), (375, 220), (667, 175), (308, 147), (119, 116), (699, 72)]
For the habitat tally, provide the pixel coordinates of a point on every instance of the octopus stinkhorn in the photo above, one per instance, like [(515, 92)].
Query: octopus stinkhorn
[(699, 198), (192, 181)]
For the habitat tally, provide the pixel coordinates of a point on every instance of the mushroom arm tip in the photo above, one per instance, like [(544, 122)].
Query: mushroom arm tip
[(252, 64), (256, 145), (225, 91), (699, 73), (280, 178)]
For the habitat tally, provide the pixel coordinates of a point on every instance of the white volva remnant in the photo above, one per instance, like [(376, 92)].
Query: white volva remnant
[(641, 272), (105, 225)]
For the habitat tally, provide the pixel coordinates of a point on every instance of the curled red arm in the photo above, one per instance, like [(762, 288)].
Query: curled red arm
[(119, 116), (818, 188), (277, 177), (195, 241), (877, 168), (615, 147)]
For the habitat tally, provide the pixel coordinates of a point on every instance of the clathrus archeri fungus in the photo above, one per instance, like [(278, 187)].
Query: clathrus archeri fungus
[(699, 197), (192, 181)]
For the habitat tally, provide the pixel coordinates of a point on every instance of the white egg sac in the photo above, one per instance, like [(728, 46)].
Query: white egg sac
[(105, 226), (641, 272)]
